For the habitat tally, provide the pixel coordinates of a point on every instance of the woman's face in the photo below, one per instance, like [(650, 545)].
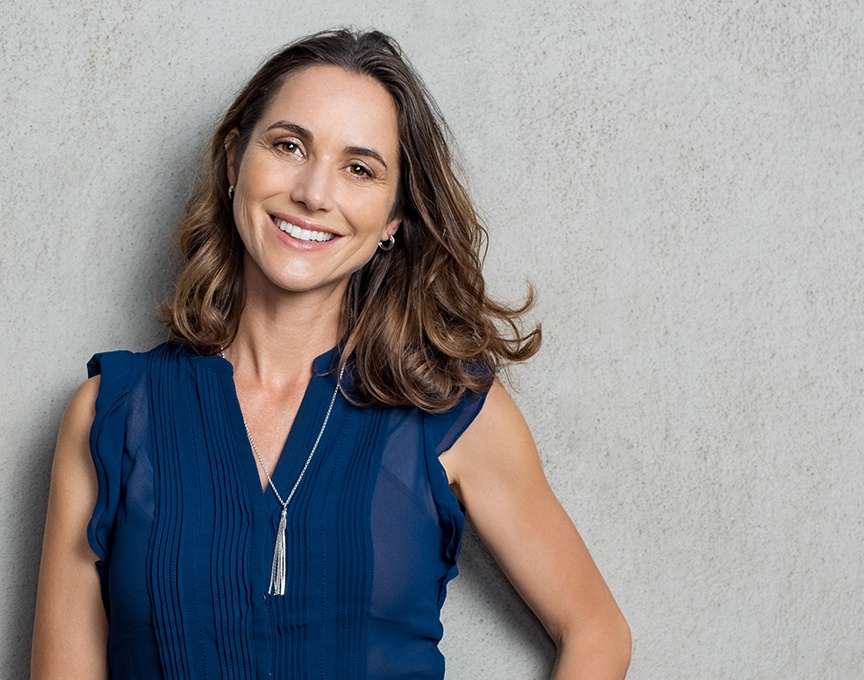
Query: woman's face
[(316, 185)]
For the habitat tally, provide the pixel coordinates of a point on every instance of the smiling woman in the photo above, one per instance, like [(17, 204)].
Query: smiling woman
[(316, 184), (279, 490)]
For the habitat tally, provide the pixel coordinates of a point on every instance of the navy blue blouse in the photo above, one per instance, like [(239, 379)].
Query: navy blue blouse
[(185, 534)]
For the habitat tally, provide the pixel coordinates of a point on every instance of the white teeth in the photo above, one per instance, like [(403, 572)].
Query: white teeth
[(303, 234)]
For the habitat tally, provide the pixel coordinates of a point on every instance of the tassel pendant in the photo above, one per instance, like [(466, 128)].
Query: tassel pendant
[(277, 571)]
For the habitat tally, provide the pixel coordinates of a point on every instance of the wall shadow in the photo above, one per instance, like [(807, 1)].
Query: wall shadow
[(481, 574)]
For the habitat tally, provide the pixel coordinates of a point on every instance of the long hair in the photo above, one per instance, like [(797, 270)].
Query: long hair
[(418, 326)]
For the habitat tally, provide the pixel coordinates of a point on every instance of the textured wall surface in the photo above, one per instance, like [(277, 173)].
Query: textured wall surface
[(683, 183)]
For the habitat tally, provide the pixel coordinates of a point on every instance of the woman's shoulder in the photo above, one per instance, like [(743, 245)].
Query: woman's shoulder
[(120, 359), (121, 366), (497, 439), (499, 422), (113, 374)]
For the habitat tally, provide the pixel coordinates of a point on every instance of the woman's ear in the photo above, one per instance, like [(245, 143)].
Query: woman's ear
[(391, 228), (230, 145)]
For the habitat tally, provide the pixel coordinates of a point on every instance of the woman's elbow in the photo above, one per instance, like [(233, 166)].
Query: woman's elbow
[(602, 647), (616, 642), (622, 642)]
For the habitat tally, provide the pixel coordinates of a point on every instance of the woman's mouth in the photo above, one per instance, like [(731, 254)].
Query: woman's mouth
[(302, 234)]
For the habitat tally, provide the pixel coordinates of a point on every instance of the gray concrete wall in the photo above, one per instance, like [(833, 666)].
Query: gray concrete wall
[(681, 181)]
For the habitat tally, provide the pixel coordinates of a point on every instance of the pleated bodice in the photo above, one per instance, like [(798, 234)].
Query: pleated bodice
[(185, 534)]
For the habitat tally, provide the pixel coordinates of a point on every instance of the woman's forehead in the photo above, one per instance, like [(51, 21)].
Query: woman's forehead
[(339, 105)]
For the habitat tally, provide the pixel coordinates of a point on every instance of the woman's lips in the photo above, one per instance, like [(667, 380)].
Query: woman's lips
[(300, 233)]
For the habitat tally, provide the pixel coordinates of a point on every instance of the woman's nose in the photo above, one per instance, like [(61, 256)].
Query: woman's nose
[(313, 187)]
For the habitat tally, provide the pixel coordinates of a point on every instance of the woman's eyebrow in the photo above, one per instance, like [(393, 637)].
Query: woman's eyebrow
[(363, 151), (298, 130)]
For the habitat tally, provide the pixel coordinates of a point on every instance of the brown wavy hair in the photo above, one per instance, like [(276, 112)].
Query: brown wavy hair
[(418, 326)]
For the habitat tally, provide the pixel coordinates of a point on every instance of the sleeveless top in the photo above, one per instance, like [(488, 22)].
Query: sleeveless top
[(185, 535)]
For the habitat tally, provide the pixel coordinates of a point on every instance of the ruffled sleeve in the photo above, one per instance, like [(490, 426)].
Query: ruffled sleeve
[(440, 431), (107, 440), (443, 429)]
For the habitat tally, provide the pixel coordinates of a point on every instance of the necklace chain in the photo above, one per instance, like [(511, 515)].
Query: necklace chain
[(284, 503), (277, 573)]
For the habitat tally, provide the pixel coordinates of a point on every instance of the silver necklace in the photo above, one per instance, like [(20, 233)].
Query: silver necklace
[(277, 570)]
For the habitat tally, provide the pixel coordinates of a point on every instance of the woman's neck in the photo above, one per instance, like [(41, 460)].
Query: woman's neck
[(279, 333)]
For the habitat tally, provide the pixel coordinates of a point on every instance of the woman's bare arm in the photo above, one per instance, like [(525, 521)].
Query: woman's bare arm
[(70, 630), (496, 473)]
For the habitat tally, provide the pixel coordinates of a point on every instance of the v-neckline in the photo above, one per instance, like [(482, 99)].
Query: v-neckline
[(301, 434)]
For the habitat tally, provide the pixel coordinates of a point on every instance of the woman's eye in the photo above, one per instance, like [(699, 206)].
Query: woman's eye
[(287, 147), (359, 170)]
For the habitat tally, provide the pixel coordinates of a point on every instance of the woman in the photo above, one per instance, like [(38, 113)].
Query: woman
[(278, 490)]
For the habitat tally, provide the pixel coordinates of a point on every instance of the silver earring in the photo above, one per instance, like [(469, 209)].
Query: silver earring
[(390, 243), (231, 193)]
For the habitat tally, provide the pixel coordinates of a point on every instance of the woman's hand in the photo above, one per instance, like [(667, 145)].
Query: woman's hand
[(70, 632), (496, 473)]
